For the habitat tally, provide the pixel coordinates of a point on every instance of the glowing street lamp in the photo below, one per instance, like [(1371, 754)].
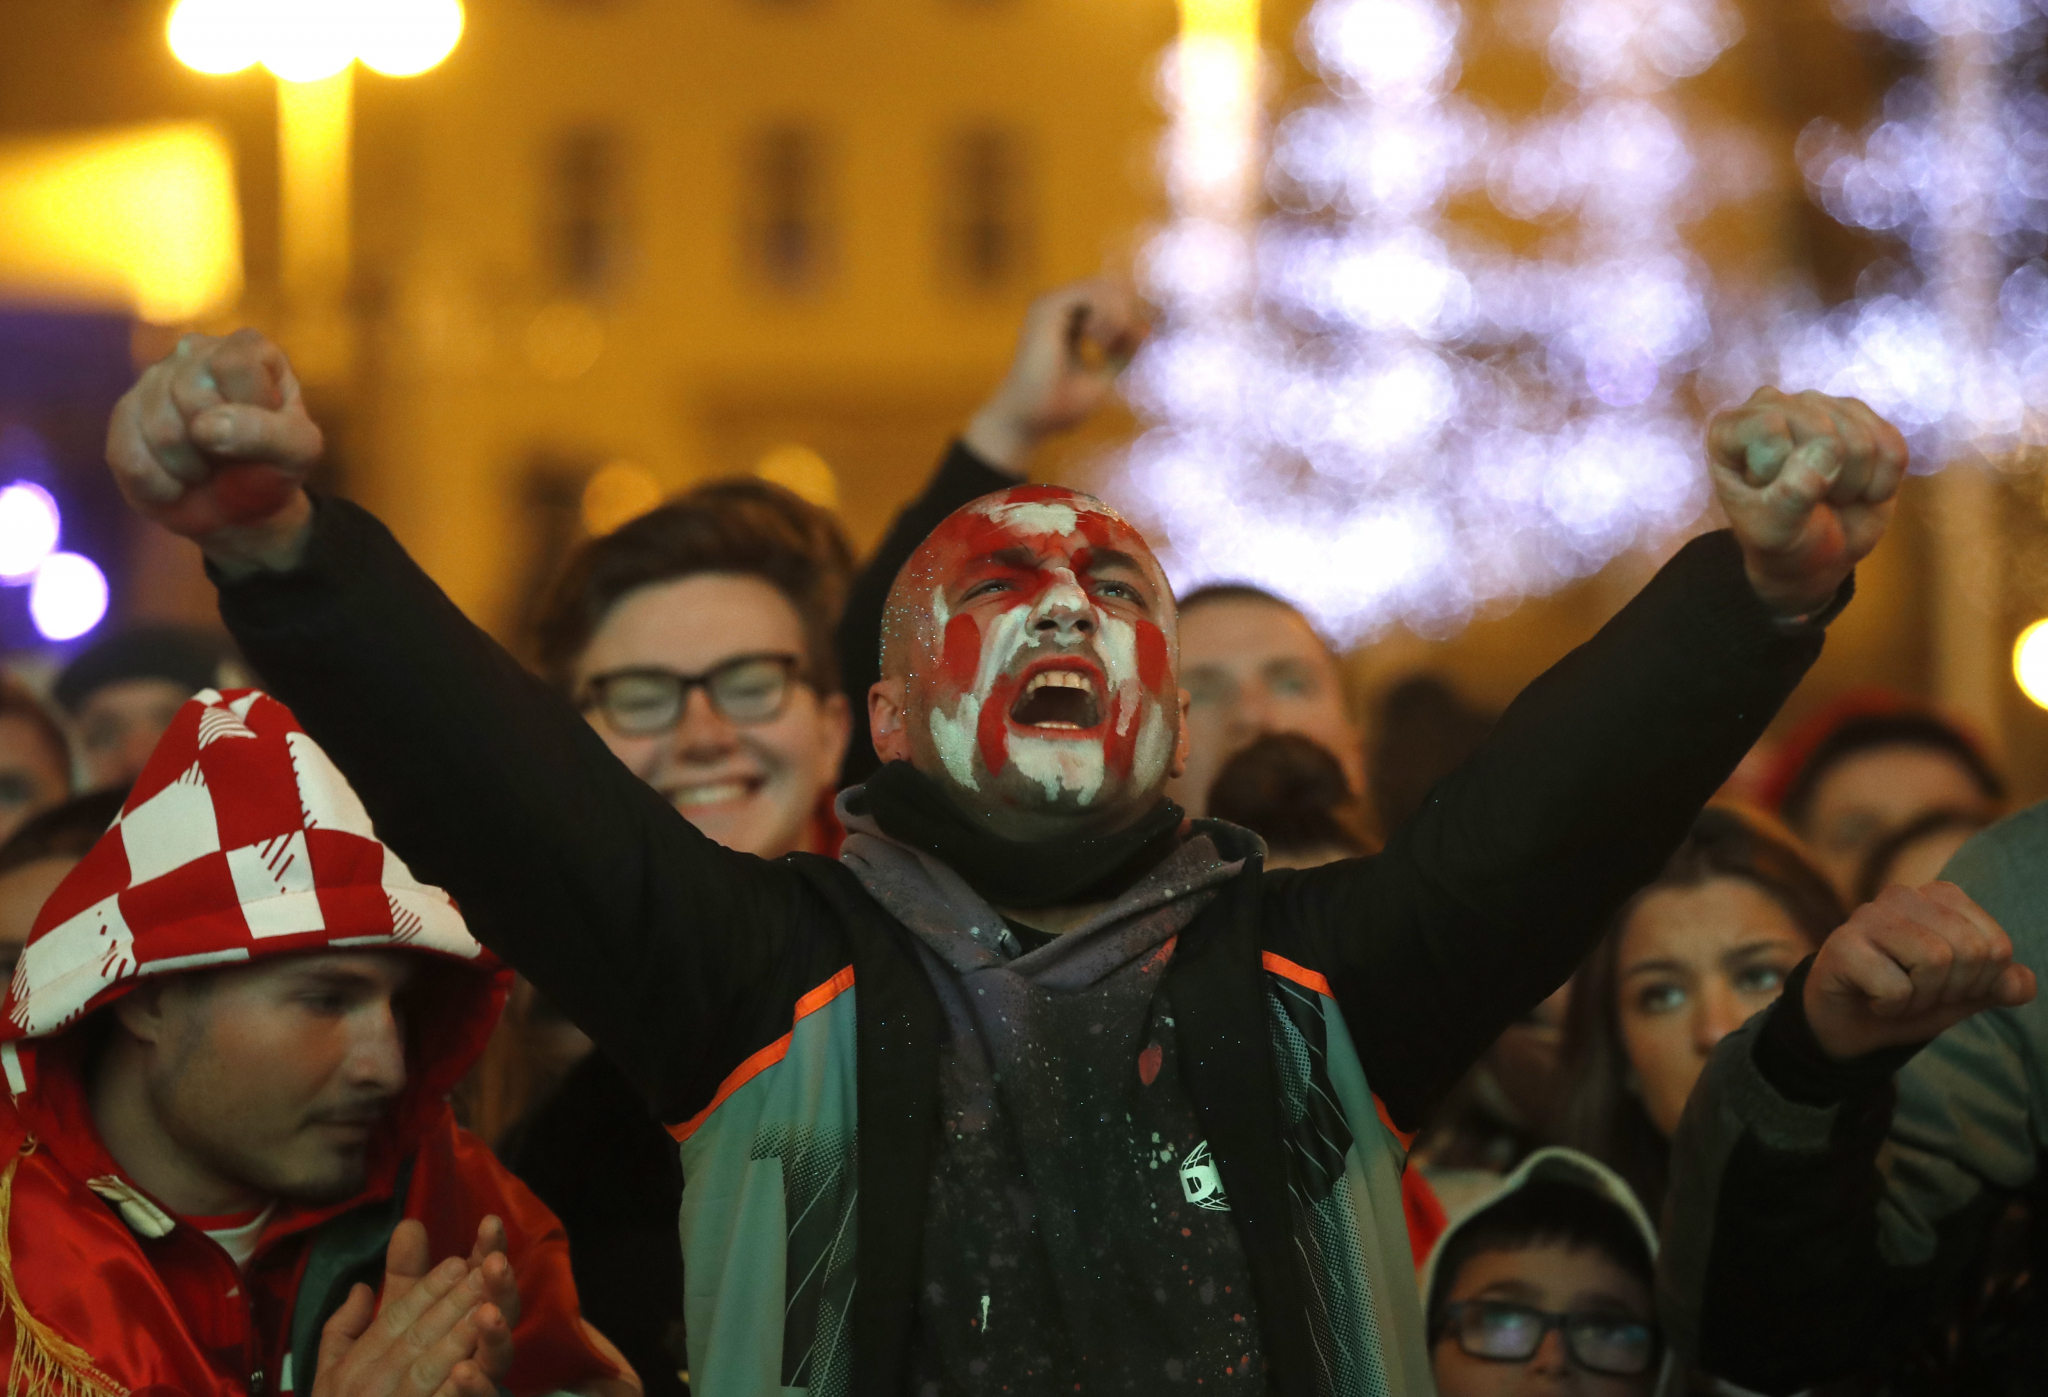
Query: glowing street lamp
[(311, 46)]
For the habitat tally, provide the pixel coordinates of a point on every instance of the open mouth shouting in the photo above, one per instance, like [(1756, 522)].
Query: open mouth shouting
[(1059, 700)]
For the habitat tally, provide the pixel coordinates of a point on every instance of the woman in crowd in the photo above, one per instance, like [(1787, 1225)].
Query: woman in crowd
[(1688, 960)]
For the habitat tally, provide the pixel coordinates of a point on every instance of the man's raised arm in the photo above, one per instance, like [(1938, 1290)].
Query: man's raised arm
[(662, 945), (1485, 902)]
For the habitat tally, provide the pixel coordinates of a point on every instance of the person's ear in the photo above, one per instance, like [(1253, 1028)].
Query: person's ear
[(1179, 766), (889, 720), (140, 1012)]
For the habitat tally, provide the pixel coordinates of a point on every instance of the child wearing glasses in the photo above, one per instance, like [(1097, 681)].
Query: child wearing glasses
[(1545, 1287)]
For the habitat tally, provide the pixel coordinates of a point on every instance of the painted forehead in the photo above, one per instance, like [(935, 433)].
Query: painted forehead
[(1047, 519)]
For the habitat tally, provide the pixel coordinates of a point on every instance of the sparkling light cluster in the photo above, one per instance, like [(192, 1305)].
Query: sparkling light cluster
[(1363, 408), (1950, 337), (1362, 404)]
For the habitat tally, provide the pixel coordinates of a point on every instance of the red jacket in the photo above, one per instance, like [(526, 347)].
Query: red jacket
[(170, 1313), (240, 841)]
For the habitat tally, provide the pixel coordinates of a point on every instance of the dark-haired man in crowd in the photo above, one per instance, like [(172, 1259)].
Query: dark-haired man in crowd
[(1253, 664), (122, 691), (226, 1053), (1871, 766), (1127, 1105)]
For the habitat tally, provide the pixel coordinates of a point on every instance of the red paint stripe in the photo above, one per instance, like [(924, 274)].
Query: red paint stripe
[(811, 1002), (1300, 974)]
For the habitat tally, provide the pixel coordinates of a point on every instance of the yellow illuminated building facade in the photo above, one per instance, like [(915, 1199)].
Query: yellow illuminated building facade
[(629, 245)]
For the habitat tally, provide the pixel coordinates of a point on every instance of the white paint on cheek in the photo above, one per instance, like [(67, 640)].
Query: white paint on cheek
[(955, 735), (1118, 646), (954, 738), (940, 615), (1058, 765), (1148, 761)]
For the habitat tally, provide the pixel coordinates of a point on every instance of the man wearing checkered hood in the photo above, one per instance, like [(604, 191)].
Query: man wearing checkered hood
[(226, 1051)]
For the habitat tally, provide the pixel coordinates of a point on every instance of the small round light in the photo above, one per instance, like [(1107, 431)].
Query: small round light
[(217, 36), (621, 491), (69, 596), (802, 472), (29, 523), (306, 40), (403, 38), (2030, 662)]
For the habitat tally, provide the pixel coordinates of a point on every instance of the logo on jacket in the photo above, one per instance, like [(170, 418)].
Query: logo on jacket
[(1200, 1183)]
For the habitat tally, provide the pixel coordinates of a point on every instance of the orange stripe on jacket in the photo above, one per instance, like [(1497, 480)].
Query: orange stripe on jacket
[(812, 1001), (1300, 974)]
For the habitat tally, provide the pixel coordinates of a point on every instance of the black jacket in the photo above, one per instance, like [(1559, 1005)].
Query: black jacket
[(683, 958)]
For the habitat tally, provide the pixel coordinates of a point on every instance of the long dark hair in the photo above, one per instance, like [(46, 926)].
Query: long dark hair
[(1599, 1111)]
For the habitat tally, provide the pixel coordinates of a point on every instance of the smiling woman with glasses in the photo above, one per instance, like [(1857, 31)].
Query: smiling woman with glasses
[(1546, 1288)]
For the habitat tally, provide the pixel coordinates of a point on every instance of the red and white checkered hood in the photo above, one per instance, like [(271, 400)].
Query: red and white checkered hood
[(239, 840)]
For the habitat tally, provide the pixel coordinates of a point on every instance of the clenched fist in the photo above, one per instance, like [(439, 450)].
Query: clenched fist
[(1907, 966), (1808, 482), (1074, 343), (214, 443)]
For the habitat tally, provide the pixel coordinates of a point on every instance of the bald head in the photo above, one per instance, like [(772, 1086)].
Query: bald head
[(1028, 662)]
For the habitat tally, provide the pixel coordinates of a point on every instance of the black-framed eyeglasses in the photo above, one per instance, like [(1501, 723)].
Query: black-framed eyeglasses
[(1616, 1345), (646, 699)]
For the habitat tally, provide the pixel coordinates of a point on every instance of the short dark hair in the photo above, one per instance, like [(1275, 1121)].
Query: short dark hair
[(1867, 732), (191, 658), (740, 525), (1543, 1211), (1597, 1111), (65, 831), (1245, 591), (1291, 792)]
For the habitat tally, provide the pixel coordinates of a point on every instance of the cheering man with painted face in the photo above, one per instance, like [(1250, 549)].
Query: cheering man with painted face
[(1038, 1087)]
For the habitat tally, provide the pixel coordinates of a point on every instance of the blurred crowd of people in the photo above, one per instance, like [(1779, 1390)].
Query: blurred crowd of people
[(723, 648)]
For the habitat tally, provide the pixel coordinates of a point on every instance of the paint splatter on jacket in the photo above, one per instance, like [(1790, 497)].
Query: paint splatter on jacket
[(782, 1022)]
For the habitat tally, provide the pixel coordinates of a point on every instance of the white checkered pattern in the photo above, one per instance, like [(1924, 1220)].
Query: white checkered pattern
[(240, 840)]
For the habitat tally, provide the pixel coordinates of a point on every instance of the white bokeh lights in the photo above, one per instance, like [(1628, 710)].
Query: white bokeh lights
[(1947, 337), (29, 523), (1380, 415), (68, 597)]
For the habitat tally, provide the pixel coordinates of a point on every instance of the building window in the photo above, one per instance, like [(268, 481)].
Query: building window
[(583, 216), (985, 231), (787, 232)]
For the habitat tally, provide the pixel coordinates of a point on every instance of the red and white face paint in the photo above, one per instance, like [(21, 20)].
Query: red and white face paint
[(1051, 676)]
